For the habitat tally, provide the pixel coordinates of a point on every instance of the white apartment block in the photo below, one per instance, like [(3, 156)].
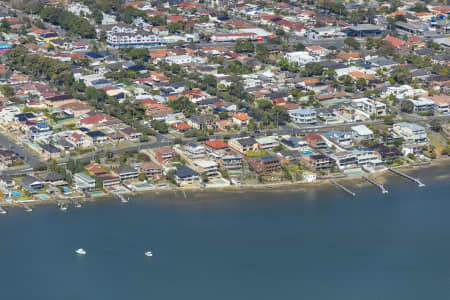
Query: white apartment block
[(300, 57), (370, 106), (303, 116), (422, 105), (412, 133)]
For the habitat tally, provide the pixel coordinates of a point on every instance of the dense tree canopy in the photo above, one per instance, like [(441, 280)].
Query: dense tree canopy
[(68, 21)]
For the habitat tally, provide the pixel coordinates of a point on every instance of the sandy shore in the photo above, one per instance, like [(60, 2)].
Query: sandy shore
[(357, 181)]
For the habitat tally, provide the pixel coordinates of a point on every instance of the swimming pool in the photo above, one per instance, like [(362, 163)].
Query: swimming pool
[(142, 185), (220, 181), (307, 152), (16, 194), (43, 196), (67, 191)]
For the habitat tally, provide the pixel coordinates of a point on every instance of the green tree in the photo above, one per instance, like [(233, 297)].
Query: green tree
[(5, 26), (299, 47), (407, 106), (142, 177), (98, 183), (361, 84), (435, 125), (352, 42), (401, 75), (313, 69)]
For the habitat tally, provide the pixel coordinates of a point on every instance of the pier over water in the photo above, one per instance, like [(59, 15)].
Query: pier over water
[(343, 188), (379, 185), (415, 180)]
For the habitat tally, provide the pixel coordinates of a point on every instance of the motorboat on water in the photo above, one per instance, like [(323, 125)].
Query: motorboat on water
[(80, 251), (149, 254), (63, 207)]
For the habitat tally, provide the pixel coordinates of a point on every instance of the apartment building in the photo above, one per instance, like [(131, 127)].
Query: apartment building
[(411, 133), (303, 116)]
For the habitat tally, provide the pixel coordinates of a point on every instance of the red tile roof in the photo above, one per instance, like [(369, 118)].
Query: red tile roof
[(217, 144), (397, 43)]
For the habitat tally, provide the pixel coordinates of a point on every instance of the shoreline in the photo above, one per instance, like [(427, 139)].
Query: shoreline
[(357, 180)]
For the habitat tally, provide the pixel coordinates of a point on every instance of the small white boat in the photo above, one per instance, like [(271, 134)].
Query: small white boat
[(63, 207), (149, 254), (80, 251)]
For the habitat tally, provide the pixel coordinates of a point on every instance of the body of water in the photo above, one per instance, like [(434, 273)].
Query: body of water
[(307, 243)]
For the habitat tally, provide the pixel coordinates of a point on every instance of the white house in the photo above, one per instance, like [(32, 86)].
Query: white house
[(138, 38), (412, 133), (441, 104), (422, 105), (303, 116), (361, 132), (300, 57), (372, 107), (266, 142), (7, 114)]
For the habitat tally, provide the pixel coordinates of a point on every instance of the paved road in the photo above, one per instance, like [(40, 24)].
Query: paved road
[(27, 156)]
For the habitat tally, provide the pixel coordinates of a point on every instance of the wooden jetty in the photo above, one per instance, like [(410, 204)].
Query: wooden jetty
[(379, 185), (343, 188), (415, 180)]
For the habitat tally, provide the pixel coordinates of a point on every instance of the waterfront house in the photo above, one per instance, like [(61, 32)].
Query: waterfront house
[(109, 180), (208, 167), (31, 184), (265, 164), (83, 182), (411, 148), (386, 153), (125, 172), (317, 162), (164, 154), (185, 175), (53, 178), (230, 162), (344, 159), (367, 157), (152, 170)]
